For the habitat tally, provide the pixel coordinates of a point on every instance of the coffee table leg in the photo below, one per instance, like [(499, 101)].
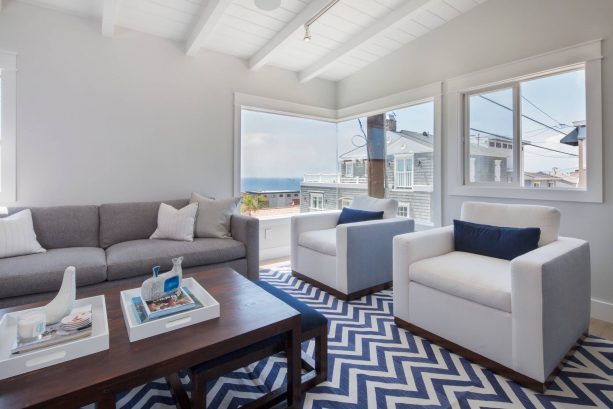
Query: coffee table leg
[(107, 401), (294, 363)]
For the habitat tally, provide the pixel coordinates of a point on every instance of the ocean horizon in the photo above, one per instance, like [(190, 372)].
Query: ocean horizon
[(264, 184)]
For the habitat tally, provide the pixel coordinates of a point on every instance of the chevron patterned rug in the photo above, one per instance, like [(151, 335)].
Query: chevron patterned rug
[(374, 364)]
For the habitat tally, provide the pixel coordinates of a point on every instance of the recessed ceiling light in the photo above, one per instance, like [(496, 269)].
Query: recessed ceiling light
[(267, 5)]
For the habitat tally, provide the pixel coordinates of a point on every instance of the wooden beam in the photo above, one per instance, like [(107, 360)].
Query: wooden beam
[(259, 59), (408, 9), (110, 15), (211, 13)]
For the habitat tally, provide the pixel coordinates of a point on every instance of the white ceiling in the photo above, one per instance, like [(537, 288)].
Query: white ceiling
[(351, 35)]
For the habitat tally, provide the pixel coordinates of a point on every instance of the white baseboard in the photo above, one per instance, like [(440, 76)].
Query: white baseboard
[(602, 310), (274, 252)]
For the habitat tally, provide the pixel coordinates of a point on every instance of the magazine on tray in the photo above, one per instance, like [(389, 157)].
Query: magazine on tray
[(182, 300), (64, 331)]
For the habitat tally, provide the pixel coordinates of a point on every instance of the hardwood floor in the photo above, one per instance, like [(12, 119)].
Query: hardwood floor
[(599, 328)]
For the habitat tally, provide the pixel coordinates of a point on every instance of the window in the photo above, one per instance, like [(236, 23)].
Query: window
[(403, 172), (345, 202), (545, 116), (8, 108), (317, 201), (403, 209), (349, 169)]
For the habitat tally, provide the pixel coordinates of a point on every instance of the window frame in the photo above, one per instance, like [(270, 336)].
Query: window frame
[(8, 134), (412, 178), (588, 55), (313, 195), (404, 205), (348, 165)]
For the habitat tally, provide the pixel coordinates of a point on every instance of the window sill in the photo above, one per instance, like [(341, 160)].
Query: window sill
[(548, 194)]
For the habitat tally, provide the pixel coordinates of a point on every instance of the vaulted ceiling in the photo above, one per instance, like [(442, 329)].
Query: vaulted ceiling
[(351, 35)]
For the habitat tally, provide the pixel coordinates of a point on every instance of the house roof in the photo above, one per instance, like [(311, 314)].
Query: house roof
[(398, 143), (542, 176)]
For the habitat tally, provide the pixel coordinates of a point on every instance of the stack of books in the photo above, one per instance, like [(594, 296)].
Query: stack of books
[(181, 301)]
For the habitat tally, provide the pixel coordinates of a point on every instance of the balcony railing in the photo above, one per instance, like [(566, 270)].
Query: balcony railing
[(333, 178), (404, 179)]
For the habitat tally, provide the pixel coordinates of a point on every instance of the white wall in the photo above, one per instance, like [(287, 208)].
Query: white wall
[(126, 118), (497, 32)]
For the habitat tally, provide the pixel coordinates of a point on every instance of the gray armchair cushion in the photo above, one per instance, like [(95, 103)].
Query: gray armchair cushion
[(64, 226), (37, 273), (121, 222), (137, 257), (322, 241)]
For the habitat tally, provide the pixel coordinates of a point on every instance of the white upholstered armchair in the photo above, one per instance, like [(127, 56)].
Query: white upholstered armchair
[(347, 260), (518, 317)]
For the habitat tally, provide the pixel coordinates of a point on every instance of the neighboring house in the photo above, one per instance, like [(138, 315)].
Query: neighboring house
[(544, 180), (279, 198)]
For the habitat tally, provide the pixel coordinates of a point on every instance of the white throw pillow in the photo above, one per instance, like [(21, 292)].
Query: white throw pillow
[(17, 236), (176, 224), (214, 216)]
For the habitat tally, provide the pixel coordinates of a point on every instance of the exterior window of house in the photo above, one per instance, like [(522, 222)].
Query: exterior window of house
[(544, 116), (403, 209), (551, 184), (403, 172), (349, 169), (345, 202), (317, 201)]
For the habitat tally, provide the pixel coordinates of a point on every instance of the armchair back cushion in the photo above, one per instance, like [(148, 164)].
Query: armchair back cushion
[(506, 215), (493, 241), (389, 207), (354, 215)]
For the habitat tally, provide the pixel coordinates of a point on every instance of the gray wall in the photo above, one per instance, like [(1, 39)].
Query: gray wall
[(497, 32), (126, 118)]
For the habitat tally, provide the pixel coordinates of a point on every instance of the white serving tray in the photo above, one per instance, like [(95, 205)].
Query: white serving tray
[(11, 365), (136, 331)]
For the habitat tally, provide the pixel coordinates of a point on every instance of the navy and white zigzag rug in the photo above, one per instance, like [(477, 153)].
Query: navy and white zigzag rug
[(374, 364)]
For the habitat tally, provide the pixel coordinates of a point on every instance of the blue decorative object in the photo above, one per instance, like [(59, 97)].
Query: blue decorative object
[(349, 215), (493, 241), (162, 285)]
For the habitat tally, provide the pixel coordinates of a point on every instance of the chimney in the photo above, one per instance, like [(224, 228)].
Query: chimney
[(390, 123)]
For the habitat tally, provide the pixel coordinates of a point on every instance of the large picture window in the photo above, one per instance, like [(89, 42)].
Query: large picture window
[(8, 136), (529, 133)]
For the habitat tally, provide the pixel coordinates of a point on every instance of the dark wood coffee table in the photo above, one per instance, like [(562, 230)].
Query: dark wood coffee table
[(248, 315)]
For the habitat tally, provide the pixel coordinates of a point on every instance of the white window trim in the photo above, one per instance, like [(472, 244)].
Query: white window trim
[(8, 161), (313, 195), (349, 165), (407, 205), (412, 181), (589, 54)]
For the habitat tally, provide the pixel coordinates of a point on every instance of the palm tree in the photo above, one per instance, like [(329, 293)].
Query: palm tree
[(253, 203)]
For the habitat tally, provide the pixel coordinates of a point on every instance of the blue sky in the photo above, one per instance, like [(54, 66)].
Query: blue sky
[(284, 146)]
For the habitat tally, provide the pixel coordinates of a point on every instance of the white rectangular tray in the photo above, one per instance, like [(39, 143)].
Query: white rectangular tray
[(136, 331), (11, 365)]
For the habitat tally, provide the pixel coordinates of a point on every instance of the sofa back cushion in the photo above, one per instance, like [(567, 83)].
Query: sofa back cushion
[(389, 207), (64, 226), (121, 222), (506, 215)]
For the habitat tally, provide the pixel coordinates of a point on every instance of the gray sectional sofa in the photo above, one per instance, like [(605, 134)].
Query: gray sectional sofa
[(111, 242)]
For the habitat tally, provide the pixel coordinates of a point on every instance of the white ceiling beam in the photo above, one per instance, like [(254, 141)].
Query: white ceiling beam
[(261, 58), (410, 8), (110, 15), (212, 12)]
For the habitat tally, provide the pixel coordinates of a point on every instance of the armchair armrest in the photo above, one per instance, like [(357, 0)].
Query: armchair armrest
[(410, 248), (247, 230), (304, 222), (365, 250), (550, 298)]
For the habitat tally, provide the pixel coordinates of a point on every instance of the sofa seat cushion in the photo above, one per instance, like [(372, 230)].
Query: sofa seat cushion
[(38, 273), (138, 257), (484, 280), (322, 241)]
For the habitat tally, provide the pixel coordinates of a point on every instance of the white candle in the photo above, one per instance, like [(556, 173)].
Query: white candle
[(31, 325)]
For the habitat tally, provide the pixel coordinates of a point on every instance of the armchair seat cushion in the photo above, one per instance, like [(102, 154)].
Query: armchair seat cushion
[(481, 279), (322, 241)]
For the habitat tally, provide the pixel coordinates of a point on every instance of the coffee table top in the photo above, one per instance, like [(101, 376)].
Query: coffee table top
[(248, 314)]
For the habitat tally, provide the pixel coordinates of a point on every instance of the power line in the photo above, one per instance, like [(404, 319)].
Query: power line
[(544, 113), (525, 116), (523, 143)]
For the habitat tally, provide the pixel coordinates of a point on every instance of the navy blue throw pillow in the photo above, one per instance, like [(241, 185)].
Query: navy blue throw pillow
[(492, 241), (354, 215)]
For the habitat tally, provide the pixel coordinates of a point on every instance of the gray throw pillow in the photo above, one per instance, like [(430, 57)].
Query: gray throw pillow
[(213, 218)]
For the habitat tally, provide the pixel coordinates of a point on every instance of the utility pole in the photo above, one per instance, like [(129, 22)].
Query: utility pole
[(375, 144)]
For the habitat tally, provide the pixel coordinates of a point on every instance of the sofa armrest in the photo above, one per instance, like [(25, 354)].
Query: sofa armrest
[(364, 251), (304, 222), (550, 298), (410, 248), (247, 230)]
